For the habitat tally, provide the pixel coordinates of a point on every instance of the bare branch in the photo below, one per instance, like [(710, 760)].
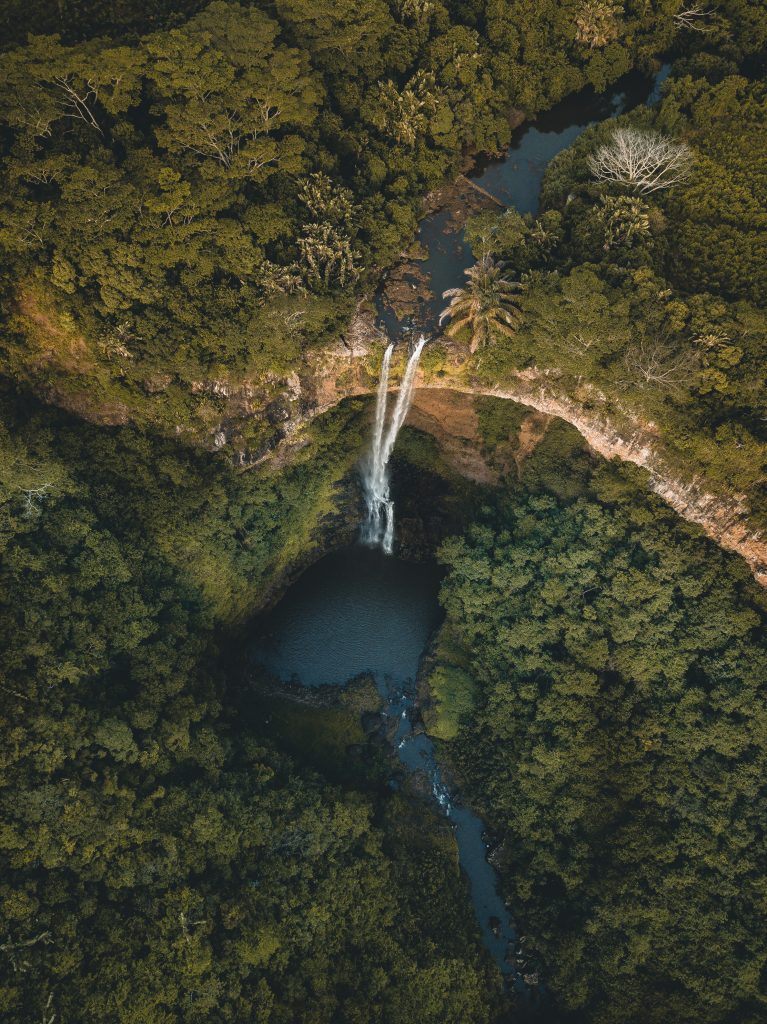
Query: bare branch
[(33, 500), (643, 161), (48, 1015), (13, 950), (38, 121), (692, 18), (74, 103), (653, 364)]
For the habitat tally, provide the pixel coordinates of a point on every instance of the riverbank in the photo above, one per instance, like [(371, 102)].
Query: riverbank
[(359, 609)]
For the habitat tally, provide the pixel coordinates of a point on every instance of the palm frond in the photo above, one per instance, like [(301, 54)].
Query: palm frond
[(487, 304)]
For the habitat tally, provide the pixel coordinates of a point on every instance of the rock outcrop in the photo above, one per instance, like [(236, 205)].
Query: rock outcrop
[(443, 407)]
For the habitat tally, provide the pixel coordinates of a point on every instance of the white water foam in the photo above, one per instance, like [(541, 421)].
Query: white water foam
[(378, 527)]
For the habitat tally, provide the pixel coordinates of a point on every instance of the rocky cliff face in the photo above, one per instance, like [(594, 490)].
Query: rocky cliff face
[(724, 518), (444, 407), (261, 422)]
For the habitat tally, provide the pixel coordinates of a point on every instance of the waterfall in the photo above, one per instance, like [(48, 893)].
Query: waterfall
[(373, 473), (379, 524)]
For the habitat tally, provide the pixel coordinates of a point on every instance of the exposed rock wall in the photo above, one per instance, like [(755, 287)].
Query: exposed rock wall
[(438, 410), (724, 518), (450, 417)]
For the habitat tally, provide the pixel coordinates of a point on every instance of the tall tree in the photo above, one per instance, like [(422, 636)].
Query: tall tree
[(487, 306)]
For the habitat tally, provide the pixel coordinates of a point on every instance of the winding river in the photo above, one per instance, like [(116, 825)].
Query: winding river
[(515, 180), (358, 610)]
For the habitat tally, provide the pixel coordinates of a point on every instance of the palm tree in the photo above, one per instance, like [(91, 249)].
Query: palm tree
[(597, 24), (487, 305)]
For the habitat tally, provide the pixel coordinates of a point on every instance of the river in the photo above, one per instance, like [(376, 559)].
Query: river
[(515, 180), (359, 610)]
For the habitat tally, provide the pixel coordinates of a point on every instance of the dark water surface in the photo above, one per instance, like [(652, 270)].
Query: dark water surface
[(517, 176), (515, 179), (358, 610)]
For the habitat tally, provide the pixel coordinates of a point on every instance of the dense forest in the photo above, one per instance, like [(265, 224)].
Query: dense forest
[(160, 863), (655, 298), (614, 738), (195, 197), (202, 202)]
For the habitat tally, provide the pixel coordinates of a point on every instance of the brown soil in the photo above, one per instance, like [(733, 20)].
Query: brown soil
[(464, 199), (54, 344), (531, 433), (451, 419), (407, 289)]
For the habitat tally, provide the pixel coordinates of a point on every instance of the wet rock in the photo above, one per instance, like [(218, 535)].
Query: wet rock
[(419, 785), (372, 722), (498, 855), (389, 730)]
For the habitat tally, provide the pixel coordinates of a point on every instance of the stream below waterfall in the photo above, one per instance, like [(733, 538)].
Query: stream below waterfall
[(359, 610)]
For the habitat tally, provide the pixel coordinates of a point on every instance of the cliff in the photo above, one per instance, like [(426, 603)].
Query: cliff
[(444, 407)]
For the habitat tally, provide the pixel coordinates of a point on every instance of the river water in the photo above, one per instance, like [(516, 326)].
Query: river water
[(515, 180), (359, 610)]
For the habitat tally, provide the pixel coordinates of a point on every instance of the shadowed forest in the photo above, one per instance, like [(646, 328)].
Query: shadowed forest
[(197, 198)]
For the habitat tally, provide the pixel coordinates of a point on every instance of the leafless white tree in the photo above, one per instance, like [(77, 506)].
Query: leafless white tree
[(186, 924), (76, 100), (653, 363), (48, 1014), (14, 950), (644, 161), (693, 18), (33, 500)]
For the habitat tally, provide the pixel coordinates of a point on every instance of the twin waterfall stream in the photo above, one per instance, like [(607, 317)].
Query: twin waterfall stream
[(415, 749), (378, 528)]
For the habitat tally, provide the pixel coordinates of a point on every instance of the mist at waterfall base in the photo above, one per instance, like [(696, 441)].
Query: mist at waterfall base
[(378, 527), (359, 610)]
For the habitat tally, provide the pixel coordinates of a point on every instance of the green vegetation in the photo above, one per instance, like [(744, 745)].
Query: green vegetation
[(487, 307), (645, 276), (451, 688), (165, 856), (190, 203), (616, 745), (196, 197)]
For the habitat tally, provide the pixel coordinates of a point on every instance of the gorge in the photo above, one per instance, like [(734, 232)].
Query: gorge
[(611, 429), (363, 661), (358, 612), (349, 613)]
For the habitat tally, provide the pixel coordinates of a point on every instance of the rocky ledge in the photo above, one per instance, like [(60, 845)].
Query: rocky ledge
[(443, 407)]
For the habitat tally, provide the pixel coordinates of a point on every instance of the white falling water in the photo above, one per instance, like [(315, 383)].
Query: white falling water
[(373, 473), (379, 525)]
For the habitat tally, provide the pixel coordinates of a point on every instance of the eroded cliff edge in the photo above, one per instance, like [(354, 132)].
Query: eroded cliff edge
[(444, 407)]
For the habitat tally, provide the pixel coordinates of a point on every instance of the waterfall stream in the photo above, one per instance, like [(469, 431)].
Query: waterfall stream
[(359, 610), (378, 528)]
